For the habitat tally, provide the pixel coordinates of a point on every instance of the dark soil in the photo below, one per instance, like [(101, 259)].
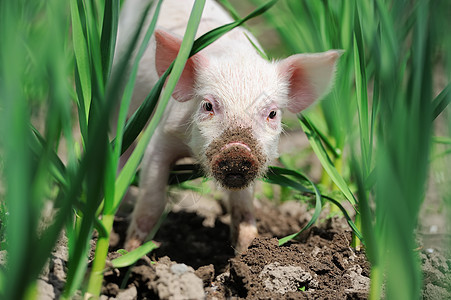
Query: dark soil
[(321, 265)]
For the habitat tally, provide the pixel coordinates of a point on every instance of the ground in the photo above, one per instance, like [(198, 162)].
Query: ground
[(195, 251), (195, 259), (321, 263)]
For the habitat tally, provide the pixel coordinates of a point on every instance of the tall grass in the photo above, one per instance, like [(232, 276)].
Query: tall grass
[(50, 65), (33, 54), (383, 106)]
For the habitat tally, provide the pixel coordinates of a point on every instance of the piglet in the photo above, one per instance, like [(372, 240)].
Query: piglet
[(225, 111)]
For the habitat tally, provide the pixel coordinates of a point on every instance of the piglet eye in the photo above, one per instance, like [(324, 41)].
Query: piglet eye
[(207, 106), (272, 114)]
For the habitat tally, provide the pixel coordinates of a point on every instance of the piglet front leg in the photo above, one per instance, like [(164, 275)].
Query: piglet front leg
[(160, 155), (243, 226)]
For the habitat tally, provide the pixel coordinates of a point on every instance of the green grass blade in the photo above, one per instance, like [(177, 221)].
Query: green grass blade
[(325, 160), (336, 152), (108, 36), (82, 60), (58, 170), (257, 48), (441, 101), (152, 98), (348, 218), (31, 57), (133, 256), (16, 158), (176, 69), (442, 140), (95, 55), (211, 36), (316, 213), (372, 247), (276, 175), (361, 95)]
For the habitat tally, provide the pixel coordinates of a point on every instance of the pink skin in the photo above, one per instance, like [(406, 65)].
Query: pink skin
[(226, 85), (236, 144)]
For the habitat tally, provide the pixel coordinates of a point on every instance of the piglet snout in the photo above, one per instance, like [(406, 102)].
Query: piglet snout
[(235, 166), (235, 158)]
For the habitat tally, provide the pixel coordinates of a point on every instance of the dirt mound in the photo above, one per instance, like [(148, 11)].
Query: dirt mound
[(436, 274), (322, 267)]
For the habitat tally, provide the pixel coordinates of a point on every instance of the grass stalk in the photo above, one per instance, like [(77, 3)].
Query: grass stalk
[(97, 275), (98, 265), (111, 203)]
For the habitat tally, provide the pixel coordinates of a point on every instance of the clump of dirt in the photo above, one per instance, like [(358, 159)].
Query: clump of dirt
[(436, 268), (318, 268)]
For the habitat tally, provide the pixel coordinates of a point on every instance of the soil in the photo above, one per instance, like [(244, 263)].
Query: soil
[(320, 265), (195, 259)]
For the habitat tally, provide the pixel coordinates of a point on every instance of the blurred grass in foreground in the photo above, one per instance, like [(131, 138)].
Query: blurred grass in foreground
[(383, 107)]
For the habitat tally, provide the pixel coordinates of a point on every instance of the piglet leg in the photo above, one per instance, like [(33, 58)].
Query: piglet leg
[(151, 201), (243, 226)]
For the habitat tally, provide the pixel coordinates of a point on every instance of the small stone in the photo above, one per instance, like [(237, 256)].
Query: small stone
[(45, 290), (176, 281), (131, 293), (179, 269), (283, 279)]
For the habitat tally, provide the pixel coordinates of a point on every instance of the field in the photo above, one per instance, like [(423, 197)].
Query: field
[(357, 206)]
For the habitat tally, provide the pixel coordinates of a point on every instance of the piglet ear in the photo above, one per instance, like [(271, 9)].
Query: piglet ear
[(167, 48), (310, 77)]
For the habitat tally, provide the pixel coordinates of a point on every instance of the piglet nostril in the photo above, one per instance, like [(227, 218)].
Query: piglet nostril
[(246, 164), (234, 180), (222, 164)]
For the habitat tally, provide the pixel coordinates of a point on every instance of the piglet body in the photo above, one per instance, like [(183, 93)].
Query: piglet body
[(225, 110)]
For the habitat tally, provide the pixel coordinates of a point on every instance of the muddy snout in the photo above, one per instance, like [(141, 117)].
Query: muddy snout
[(235, 166), (235, 159)]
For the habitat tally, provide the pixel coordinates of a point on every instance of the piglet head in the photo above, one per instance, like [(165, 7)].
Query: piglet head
[(238, 99)]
